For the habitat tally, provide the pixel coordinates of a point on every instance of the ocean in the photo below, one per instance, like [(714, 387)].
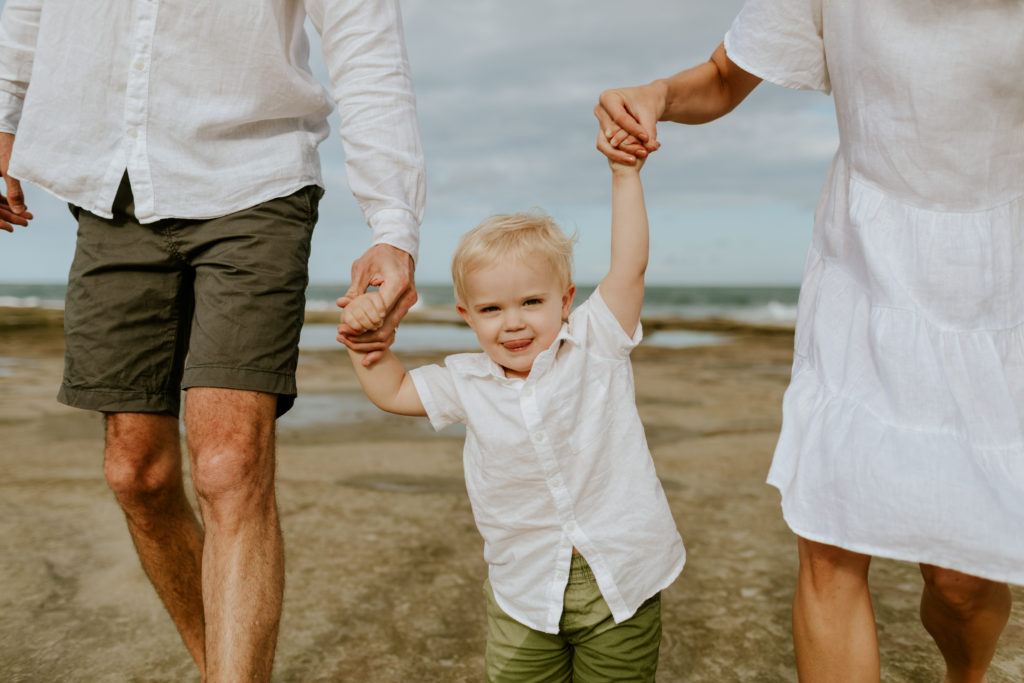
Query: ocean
[(748, 304)]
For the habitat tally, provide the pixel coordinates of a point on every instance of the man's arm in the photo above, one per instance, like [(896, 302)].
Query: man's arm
[(19, 28), (387, 384), (12, 204), (364, 50), (623, 287), (698, 95)]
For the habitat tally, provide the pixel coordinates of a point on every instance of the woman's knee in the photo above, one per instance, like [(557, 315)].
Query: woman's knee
[(960, 593), (823, 565)]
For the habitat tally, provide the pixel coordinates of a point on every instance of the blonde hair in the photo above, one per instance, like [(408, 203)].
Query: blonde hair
[(515, 236)]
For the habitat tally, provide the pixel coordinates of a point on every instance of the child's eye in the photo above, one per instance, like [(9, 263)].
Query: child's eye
[(488, 309), (533, 302)]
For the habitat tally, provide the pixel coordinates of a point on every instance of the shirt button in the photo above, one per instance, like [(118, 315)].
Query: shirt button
[(133, 133), (560, 576), (555, 482), (538, 437), (528, 392), (140, 65), (570, 526)]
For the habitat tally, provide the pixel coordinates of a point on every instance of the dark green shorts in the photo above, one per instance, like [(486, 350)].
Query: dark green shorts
[(157, 308), (589, 647)]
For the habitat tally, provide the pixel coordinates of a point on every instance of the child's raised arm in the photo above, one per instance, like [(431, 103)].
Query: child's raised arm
[(387, 384), (623, 287)]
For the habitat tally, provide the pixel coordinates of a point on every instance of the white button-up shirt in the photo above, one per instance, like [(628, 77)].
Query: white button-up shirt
[(211, 107), (560, 460)]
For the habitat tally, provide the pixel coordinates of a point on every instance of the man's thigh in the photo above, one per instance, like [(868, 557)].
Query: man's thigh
[(250, 284), (227, 294), (519, 654), (126, 316)]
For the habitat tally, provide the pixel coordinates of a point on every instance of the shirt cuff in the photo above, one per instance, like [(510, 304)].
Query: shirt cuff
[(398, 228), (10, 112)]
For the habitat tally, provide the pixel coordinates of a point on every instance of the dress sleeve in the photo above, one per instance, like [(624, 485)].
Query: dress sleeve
[(19, 26), (436, 388), (364, 49), (781, 41)]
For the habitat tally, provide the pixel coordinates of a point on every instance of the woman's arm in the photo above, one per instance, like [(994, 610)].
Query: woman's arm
[(697, 95)]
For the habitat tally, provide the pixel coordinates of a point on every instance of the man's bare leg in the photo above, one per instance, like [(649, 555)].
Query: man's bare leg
[(143, 467), (833, 622), (965, 616), (231, 441)]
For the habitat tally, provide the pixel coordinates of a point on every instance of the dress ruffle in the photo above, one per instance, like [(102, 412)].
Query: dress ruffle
[(903, 427)]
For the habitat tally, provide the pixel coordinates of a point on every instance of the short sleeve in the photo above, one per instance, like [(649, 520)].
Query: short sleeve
[(436, 388), (601, 331), (781, 42)]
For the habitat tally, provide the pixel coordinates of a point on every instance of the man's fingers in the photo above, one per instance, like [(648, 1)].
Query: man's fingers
[(15, 195)]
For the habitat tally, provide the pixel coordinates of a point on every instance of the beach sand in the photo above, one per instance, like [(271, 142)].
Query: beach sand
[(384, 564)]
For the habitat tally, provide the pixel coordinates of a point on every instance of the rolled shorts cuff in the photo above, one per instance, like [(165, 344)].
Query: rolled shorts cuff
[(243, 379), (114, 401)]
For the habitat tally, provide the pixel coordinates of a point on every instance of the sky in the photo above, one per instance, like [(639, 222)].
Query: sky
[(505, 93)]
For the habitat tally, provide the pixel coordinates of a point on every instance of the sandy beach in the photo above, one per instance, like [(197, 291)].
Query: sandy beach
[(384, 563)]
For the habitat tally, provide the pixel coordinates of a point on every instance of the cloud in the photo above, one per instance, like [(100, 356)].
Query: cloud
[(505, 92)]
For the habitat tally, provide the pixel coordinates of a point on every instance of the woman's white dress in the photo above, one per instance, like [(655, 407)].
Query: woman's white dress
[(903, 425)]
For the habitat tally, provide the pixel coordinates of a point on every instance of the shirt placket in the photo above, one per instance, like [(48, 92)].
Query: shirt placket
[(136, 104), (543, 445)]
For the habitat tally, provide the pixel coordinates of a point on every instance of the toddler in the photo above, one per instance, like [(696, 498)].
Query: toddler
[(578, 535)]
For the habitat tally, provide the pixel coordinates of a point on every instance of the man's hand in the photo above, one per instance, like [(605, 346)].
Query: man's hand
[(390, 269), (12, 204), (625, 113)]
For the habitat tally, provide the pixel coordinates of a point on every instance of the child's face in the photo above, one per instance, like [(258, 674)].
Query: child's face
[(516, 310)]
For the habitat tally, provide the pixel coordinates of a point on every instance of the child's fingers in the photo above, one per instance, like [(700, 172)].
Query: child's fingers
[(613, 154), (618, 138)]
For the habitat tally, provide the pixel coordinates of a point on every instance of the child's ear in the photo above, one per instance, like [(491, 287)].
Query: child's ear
[(464, 312), (567, 300)]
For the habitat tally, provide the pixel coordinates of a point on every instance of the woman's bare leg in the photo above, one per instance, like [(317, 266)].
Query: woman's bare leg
[(833, 621), (964, 615)]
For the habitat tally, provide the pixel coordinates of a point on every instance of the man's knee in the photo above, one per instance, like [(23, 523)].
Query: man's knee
[(962, 594), (234, 484), (142, 463)]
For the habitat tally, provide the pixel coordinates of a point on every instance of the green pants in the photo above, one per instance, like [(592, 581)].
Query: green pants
[(589, 646)]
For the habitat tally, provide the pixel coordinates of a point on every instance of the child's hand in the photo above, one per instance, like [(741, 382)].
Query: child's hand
[(365, 312), (618, 166), (619, 139)]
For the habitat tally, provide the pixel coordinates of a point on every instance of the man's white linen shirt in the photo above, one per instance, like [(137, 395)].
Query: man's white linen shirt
[(560, 460), (211, 107)]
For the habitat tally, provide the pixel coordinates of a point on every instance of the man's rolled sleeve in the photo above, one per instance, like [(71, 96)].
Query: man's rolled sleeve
[(10, 112), (371, 81), (398, 228), (19, 28)]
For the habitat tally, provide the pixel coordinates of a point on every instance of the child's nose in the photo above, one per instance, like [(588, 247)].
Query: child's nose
[(513, 320)]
